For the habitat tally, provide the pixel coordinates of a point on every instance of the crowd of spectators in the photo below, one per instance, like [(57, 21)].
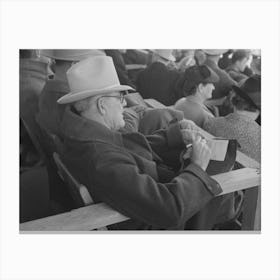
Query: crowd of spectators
[(101, 140)]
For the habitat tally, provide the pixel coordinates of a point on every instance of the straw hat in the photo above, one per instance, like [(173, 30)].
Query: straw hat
[(70, 54), (166, 54), (90, 77)]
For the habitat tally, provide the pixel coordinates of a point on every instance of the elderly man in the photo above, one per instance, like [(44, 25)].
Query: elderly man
[(135, 174)]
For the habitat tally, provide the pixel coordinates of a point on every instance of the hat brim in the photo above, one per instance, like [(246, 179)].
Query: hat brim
[(246, 96), (77, 96), (48, 53)]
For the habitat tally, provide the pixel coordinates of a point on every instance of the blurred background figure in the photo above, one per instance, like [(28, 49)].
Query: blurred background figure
[(158, 81), (118, 59), (239, 61), (225, 60), (199, 57), (187, 60), (256, 62), (223, 86), (242, 124), (33, 74)]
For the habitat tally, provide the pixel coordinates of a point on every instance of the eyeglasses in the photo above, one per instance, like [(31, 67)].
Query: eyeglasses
[(121, 97)]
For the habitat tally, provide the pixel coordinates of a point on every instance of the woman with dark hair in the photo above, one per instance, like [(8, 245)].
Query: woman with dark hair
[(241, 124), (197, 86)]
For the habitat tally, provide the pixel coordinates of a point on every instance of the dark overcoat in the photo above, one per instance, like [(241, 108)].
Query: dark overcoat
[(160, 83), (123, 170)]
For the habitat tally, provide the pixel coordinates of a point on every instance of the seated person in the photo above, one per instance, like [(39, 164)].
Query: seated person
[(238, 64), (256, 65), (187, 60), (225, 60), (158, 81), (50, 113), (197, 86), (223, 86), (241, 124), (130, 172)]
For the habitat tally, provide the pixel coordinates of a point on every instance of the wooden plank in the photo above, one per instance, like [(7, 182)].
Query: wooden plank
[(154, 103), (257, 223), (215, 102), (100, 215), (84, 218), (135, 66), (238, 180), (247, 161), (251, 217)]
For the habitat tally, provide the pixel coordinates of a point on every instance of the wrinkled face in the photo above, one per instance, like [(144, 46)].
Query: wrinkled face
[(113, 105), (206, 90)]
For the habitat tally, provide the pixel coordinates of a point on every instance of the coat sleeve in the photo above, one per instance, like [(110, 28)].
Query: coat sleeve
[(168, 144), (119, 182)]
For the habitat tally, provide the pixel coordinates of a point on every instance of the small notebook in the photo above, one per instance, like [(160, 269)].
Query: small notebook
[(218, 148)]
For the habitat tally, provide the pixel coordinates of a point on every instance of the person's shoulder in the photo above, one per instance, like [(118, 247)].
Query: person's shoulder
[(216, 122), (180, 103), (249, 121)]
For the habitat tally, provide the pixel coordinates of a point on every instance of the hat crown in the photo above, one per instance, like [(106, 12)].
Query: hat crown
[(94, 73)]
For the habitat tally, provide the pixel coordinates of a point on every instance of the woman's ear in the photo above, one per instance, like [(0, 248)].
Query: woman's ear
[(200, 87)]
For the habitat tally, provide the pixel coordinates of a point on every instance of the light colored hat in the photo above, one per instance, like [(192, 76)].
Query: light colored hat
[(215, 52), (166, 54), (70, 54), (92, 76)]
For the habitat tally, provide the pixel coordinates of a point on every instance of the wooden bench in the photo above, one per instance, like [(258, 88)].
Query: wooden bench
[(101, 215)]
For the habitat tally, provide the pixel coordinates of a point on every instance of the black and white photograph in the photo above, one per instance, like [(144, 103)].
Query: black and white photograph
[(140, 139)]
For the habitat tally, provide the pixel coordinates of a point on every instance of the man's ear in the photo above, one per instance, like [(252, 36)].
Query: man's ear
[(101, 106)]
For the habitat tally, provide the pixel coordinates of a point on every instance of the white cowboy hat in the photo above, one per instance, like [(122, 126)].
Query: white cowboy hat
[(215, 51), (166, 54), (71, 54), (90, 77)]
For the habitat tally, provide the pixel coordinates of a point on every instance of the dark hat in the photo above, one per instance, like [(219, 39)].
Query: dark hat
[(197, 74), (250, 90)]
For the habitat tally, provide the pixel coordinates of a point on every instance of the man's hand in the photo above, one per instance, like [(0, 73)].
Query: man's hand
[(200, 152), (189, 130), (188, 124)]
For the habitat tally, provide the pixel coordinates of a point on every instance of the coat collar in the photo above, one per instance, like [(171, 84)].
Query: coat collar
[(78, 128)]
